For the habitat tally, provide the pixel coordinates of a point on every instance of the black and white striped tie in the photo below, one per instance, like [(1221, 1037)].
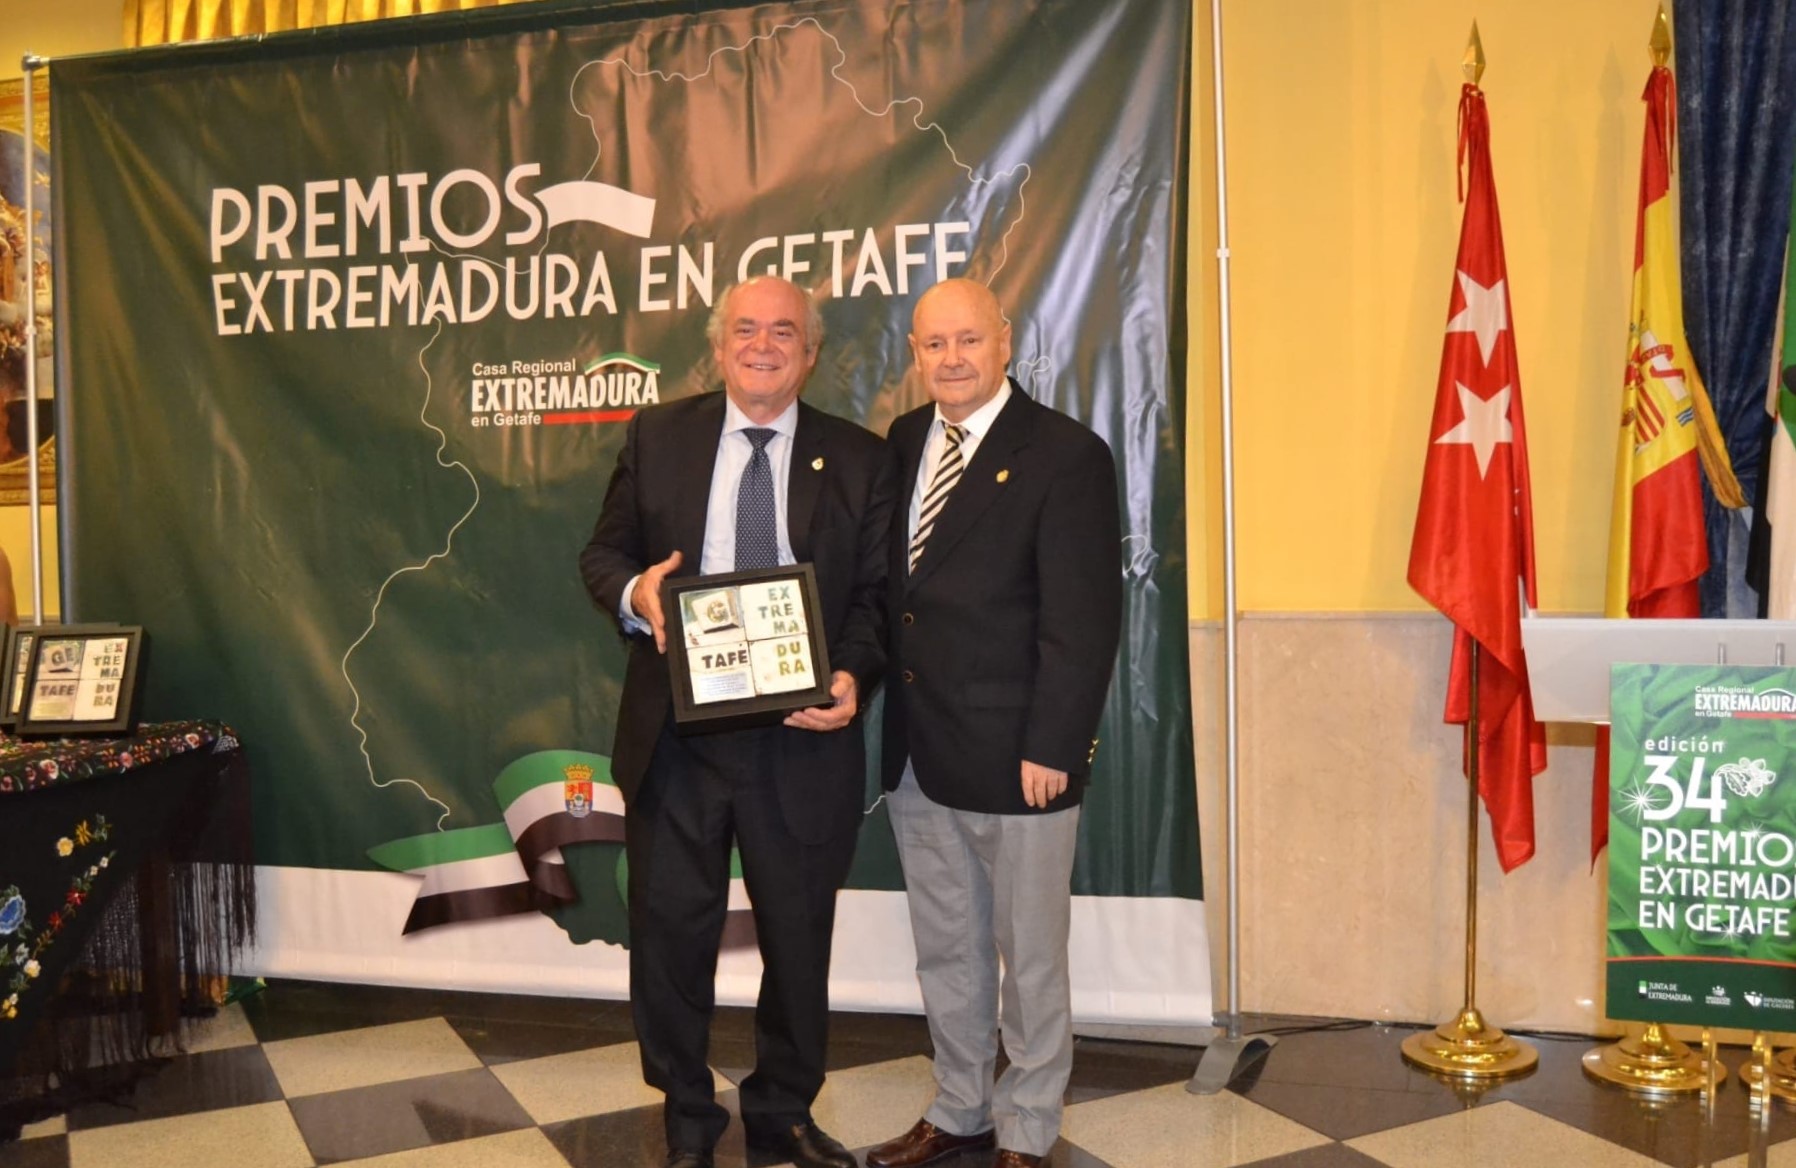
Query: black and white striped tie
[(947, 473)]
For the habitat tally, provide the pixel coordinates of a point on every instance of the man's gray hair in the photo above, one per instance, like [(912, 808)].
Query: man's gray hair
[(813, 316)]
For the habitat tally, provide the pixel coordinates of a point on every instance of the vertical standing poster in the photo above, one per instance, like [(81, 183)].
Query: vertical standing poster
[(1702, 846), (351, 324)]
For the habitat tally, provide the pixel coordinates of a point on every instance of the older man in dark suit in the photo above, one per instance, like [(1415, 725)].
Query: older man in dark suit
[(1005, 594), (748, 478)]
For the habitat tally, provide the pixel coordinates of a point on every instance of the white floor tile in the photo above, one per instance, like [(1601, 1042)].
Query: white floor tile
[(1500, 1135), (583, 1082), (54, 1126), (373, 1054), (519, 1149), (262, 1136), (1167, 1127), (872, 1104)]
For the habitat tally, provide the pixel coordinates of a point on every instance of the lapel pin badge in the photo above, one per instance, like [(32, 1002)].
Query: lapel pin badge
[(1004, 475), (816, 464)]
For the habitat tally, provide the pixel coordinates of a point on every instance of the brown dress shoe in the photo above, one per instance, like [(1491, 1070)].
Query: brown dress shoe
[(1009, 1159), (924, 1143)]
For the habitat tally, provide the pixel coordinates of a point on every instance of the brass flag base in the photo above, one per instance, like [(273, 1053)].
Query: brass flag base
[(1782, 1067), (1654, 1063), (1469, 1048)]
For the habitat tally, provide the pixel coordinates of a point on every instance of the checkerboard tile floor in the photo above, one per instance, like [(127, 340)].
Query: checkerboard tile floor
[(309, 1074)]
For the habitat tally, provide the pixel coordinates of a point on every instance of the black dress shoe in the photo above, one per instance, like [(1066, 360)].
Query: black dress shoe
[(806, 1145), (687, 1158)]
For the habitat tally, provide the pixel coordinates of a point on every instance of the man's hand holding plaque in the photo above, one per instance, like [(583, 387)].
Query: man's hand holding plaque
[(645, 599), (846, 698)]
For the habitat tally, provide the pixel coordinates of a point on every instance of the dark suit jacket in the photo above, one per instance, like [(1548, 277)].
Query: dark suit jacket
[(839, 500), (1004, 639)]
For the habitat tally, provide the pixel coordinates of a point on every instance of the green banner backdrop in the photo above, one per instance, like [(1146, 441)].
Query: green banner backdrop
[(349, 320), (1702, 846)]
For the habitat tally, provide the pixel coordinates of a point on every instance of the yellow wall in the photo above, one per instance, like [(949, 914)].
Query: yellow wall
[(49, 30), (1344, 223)]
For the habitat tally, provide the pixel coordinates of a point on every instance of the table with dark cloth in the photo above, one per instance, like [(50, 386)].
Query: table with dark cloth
[(126, 887)]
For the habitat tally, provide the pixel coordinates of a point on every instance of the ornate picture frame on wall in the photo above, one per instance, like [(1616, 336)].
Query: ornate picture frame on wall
[(25, 154)]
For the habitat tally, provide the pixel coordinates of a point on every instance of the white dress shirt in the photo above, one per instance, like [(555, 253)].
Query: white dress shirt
[(733, 452), (977, 424)]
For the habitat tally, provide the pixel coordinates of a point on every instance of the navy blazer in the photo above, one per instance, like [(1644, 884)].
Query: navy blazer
[(839, 498), (1004, 639)]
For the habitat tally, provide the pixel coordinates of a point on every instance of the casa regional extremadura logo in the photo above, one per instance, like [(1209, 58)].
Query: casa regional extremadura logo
[(609, 388)]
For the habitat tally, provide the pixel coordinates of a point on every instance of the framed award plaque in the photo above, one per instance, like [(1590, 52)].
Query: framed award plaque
[(15, 659), (80, 680), (745, 648)]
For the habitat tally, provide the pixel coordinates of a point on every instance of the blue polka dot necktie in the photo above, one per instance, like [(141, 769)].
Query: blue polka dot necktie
[(757, 519)]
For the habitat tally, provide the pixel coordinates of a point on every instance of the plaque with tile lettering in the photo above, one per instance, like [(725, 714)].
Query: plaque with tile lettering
[(744, 648), (80, 680)]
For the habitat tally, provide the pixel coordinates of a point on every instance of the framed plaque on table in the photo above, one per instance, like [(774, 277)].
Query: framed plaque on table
[(744, 648), (15, 660), (81, 680)]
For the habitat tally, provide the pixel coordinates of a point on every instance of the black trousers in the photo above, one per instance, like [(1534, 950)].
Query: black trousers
[(701, 795)]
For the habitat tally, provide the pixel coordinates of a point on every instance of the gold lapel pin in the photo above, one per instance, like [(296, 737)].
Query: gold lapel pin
[(816, 464), (1004, 475)]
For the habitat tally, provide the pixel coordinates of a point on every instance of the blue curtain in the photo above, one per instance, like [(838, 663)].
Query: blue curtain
[(1736, 74)]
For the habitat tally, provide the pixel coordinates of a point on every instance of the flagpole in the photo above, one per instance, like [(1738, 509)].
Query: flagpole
[(1654, 1063), (1468, 1047), (31, 63), (1224, 1056)]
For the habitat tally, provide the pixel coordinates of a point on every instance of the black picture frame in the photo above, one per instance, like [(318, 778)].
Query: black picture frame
[(744, 619), (15, 660), (96, 696)]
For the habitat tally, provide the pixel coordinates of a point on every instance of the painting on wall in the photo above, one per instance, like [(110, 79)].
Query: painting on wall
[(25, 158)]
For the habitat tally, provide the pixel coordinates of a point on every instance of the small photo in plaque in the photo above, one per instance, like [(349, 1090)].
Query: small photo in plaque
[(751, 648), (710, 617), (80, 680)]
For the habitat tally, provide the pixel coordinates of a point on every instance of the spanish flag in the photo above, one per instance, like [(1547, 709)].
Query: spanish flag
[(1668, 437)]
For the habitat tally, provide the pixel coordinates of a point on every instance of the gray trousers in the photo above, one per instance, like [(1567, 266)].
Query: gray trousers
[(991, 893)]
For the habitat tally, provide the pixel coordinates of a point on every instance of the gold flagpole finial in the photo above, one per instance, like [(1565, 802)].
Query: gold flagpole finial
[(1660, 42), (1474, 57)]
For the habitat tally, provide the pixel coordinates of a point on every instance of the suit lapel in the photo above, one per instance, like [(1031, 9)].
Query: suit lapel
[(804, 482), (695, 458), (980, 485)]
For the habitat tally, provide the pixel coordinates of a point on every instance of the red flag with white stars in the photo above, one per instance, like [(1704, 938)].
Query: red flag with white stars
[(1473, 552)]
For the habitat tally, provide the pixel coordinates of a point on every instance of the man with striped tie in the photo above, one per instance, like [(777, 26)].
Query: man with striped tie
[(1005, 607)]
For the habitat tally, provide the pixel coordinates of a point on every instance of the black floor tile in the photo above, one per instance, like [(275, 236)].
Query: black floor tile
[(44, 1152), (1344, 1113), (1326, 1156), (858, 1040), (622, 1139), (1357, 1055), (412, 1113), (635, 1139), (499, 1041), (300, 1009), (1673, 1131), (1103, 1067), (186, 1084)]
